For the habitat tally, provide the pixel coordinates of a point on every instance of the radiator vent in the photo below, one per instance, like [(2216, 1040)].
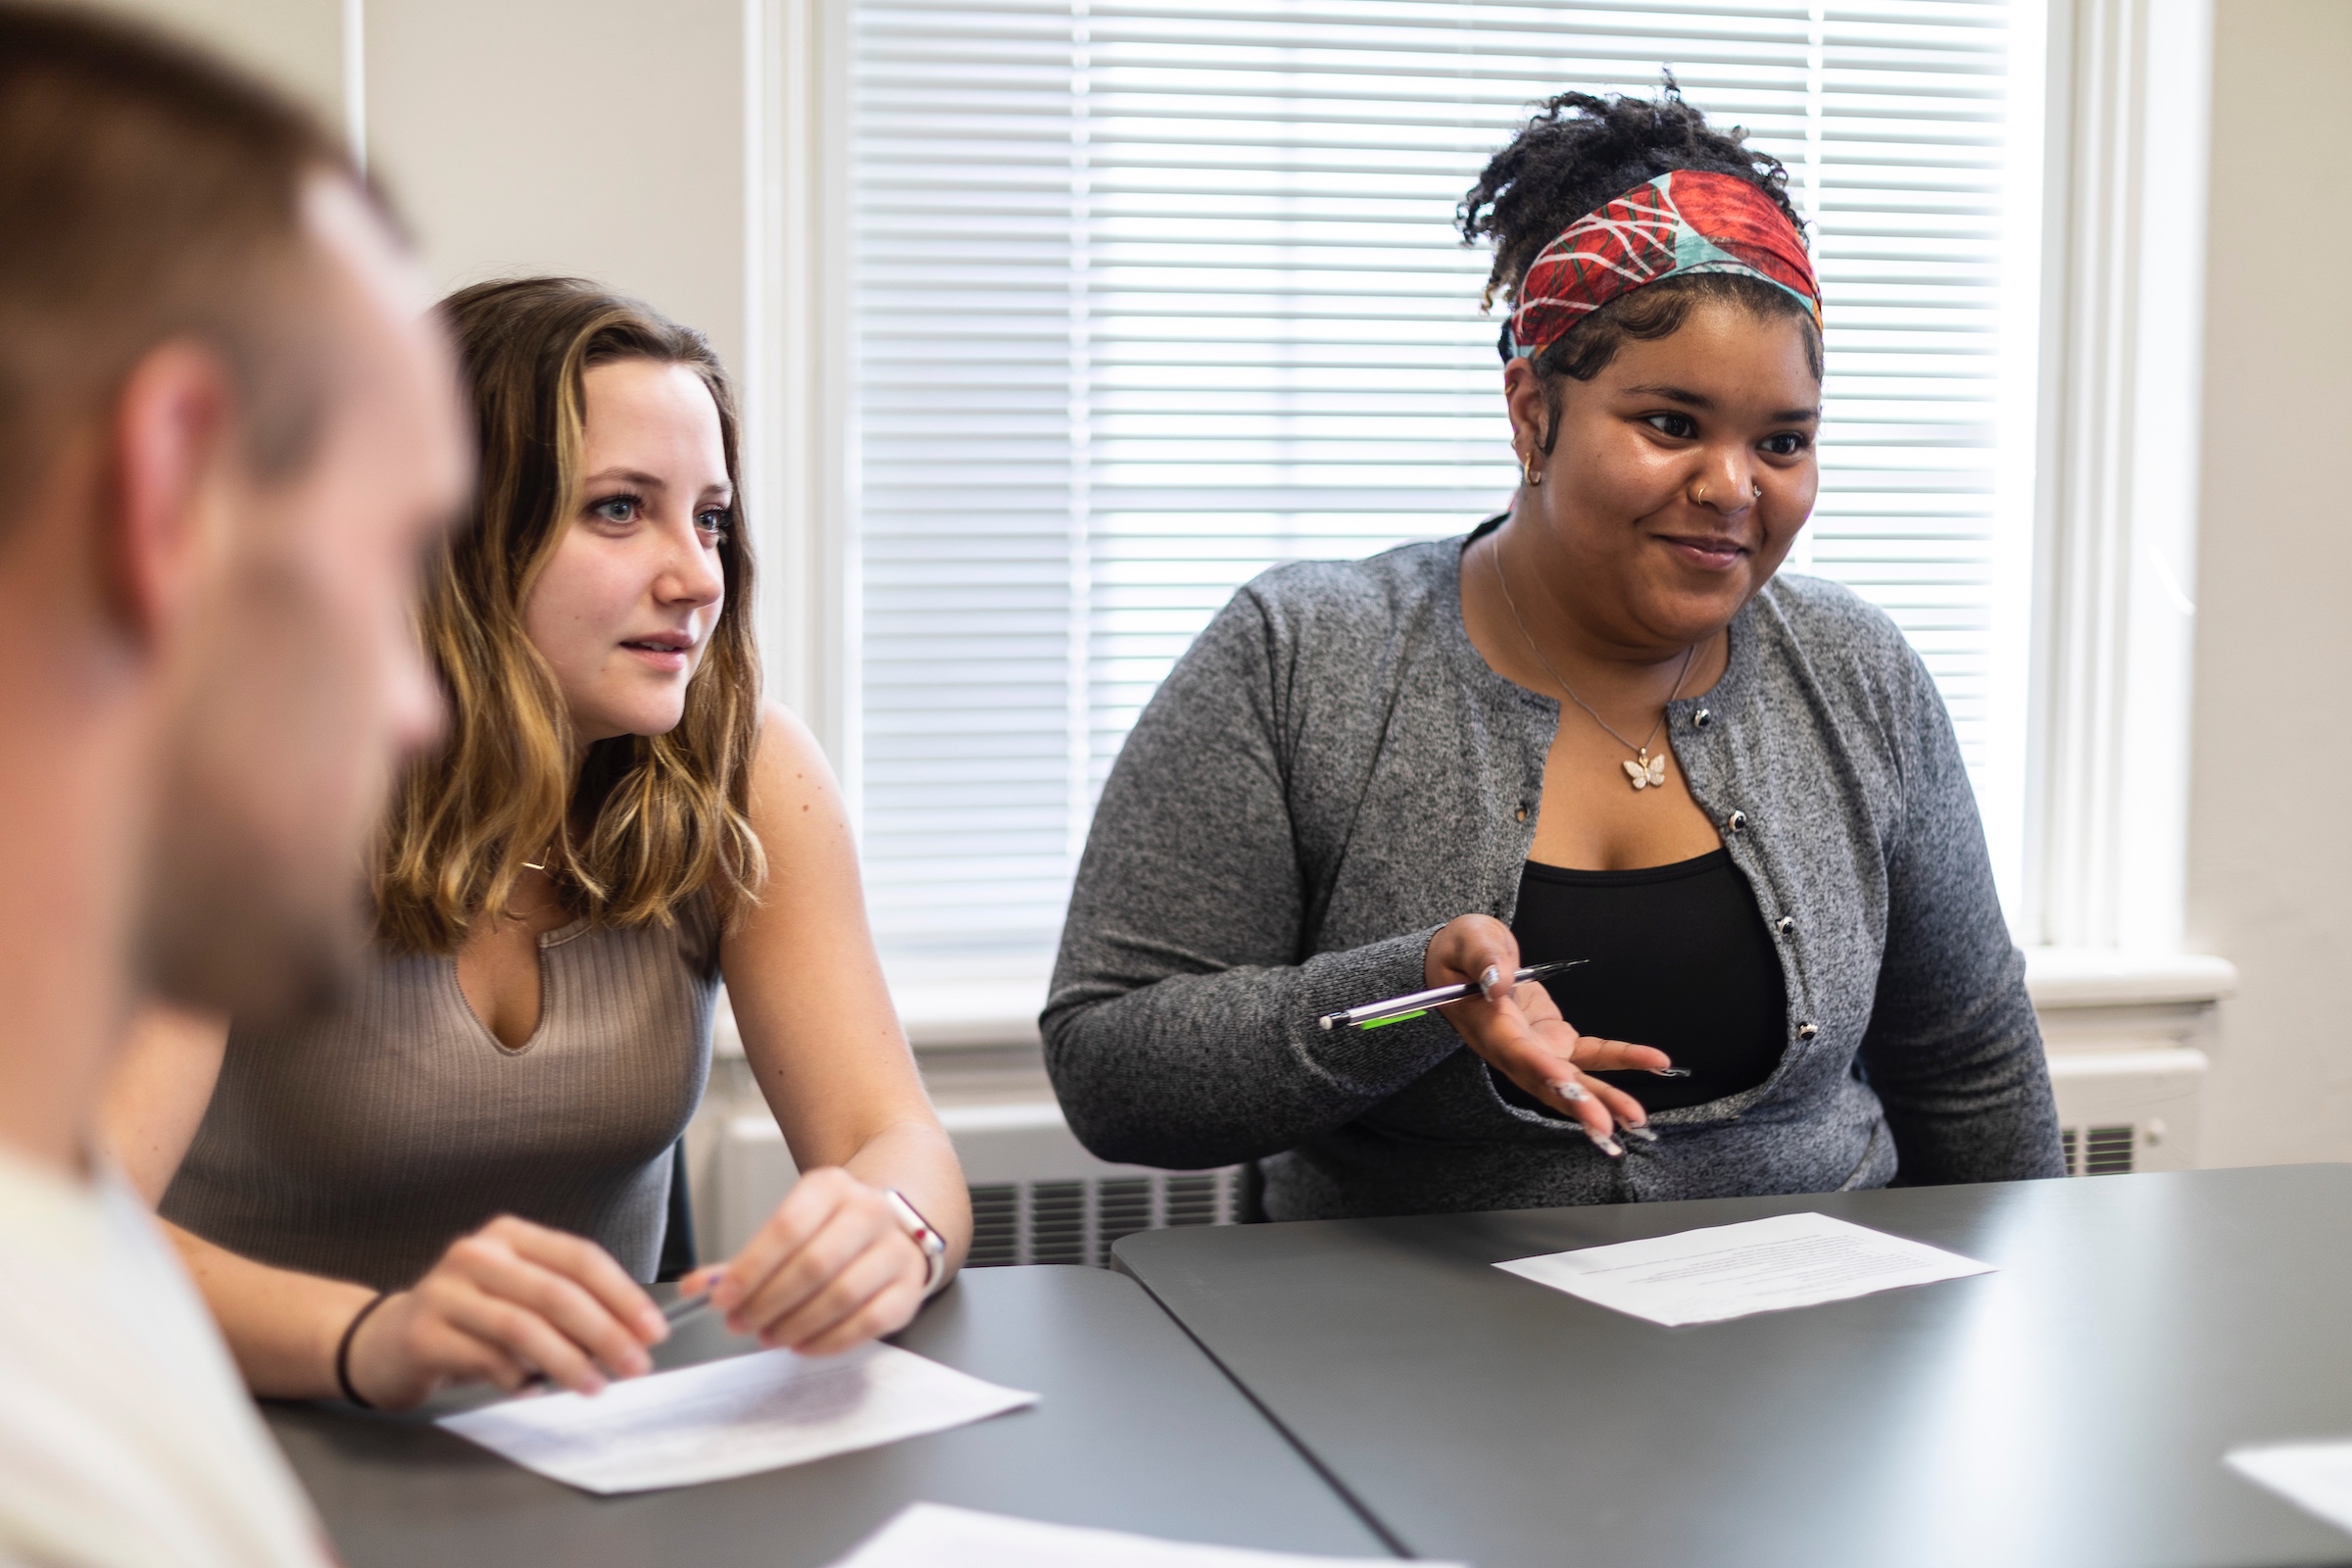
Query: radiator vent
[(1077, 1221), (2098, 1151)]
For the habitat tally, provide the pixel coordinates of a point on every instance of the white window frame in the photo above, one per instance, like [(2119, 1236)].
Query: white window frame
[(797, 410), (2116, 513), (2106, 633)]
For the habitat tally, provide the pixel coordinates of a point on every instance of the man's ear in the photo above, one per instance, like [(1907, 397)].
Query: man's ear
[(172, 452)]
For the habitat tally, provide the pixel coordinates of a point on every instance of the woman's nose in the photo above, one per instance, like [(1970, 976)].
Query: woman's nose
[(1726, 483), (693, 574)]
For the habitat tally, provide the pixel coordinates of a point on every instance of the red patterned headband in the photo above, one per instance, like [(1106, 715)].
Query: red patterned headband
[(1689, 221)]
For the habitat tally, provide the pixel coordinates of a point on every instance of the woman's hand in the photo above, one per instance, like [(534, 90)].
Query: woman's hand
[(512, 1300), (831, 1269), (1519, 1031)]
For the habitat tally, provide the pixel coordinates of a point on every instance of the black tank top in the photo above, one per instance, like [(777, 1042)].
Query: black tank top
[(1679, 958)]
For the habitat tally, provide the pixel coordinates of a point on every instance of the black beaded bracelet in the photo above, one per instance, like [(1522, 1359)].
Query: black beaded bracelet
[(343, 1350)]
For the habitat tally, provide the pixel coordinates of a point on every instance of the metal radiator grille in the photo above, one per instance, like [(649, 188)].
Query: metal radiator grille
[(1077, 1221), (2098, 1150)]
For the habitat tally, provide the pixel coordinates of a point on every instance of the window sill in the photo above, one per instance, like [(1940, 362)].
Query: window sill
[(2105, 999), (2107, 977), (970, 1014)]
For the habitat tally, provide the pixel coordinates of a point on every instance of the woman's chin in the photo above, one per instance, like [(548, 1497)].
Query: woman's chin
[(1683, 612), (612, 722)]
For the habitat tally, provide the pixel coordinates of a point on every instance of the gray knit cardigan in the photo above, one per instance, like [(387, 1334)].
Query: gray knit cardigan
[(1333, 772)]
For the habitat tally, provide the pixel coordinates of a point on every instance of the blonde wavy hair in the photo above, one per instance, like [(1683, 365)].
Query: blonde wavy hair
[(646, 821)]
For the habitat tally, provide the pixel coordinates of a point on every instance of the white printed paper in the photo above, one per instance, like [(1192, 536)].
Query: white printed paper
[(1727, 1271), (2316, 1477), (731, 1418), (927, 1535)]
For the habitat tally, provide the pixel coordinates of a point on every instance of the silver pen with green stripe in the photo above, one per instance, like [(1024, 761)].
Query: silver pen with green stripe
[(1395, 1010)]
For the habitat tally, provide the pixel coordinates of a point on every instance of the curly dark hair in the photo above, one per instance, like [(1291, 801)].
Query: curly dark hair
[(1575, 153)]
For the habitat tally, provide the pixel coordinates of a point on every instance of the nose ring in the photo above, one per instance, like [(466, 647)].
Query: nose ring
[(1698, 497), (1756, 487)]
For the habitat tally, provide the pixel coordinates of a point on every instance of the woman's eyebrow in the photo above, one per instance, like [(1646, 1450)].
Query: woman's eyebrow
[(1674, 394), (636, 477), (1701, 401)]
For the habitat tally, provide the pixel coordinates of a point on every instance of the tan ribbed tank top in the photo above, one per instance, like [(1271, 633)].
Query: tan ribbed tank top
[(361, 1143)]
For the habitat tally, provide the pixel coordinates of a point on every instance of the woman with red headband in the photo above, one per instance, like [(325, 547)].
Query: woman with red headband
[(1597, 728)]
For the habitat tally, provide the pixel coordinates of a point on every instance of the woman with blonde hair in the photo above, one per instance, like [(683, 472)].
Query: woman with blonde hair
[(462, 1170)]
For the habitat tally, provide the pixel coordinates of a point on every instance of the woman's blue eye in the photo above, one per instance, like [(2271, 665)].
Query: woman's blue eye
[(615, 508), (713, 522)]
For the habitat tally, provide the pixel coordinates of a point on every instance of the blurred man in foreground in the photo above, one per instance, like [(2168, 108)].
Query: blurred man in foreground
[(229, 433)]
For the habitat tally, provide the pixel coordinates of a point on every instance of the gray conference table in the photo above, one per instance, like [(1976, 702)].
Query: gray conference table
[(2071, 1409), (1136, 1430)]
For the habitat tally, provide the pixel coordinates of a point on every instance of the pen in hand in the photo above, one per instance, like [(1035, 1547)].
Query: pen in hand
[(1413, 1004), (684, 1310)]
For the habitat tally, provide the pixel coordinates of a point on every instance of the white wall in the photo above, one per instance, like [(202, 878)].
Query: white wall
[(2270, 872), (298, 43), (598, 137), (602, 137)]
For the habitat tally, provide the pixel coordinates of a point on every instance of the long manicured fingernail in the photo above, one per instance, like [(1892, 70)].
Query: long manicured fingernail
[(1642, 1133), (1605, 1144), (1572, 1093), (1669, 1072), (1490, 981)]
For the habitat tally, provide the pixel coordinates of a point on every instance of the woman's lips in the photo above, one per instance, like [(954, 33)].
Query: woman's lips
[(1706, 553), (660, 653)]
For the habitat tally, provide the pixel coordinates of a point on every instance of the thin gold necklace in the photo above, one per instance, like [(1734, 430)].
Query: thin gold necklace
[(1648, 773)]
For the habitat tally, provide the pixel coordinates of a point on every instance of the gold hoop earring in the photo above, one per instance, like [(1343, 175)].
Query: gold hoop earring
[(1534, 475)]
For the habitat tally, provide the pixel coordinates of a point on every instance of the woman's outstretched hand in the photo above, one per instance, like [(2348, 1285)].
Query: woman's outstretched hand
[(510, 1300), (1519, 1032), (831, 1269)]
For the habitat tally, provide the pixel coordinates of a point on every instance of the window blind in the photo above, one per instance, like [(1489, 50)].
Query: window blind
[(1152, 296)]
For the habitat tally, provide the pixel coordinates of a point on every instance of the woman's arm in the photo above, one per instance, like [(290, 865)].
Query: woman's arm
[(833, 1268), (511, 1298), (157, 1096), (1181, 1031), (1953, 1051)]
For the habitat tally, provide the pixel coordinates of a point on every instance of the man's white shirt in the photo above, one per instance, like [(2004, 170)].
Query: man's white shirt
[(126, 1435)]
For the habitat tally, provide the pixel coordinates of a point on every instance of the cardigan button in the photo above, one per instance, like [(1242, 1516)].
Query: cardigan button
[(1700, 719), (1523, 813), (1807, 1030), (1738, 823), (1786, 925)]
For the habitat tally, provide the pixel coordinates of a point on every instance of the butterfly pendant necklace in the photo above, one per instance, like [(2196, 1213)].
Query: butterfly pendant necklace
[(1643, 770)]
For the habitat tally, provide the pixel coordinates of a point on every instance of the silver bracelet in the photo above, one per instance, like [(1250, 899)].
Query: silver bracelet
[(919, 1230)]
